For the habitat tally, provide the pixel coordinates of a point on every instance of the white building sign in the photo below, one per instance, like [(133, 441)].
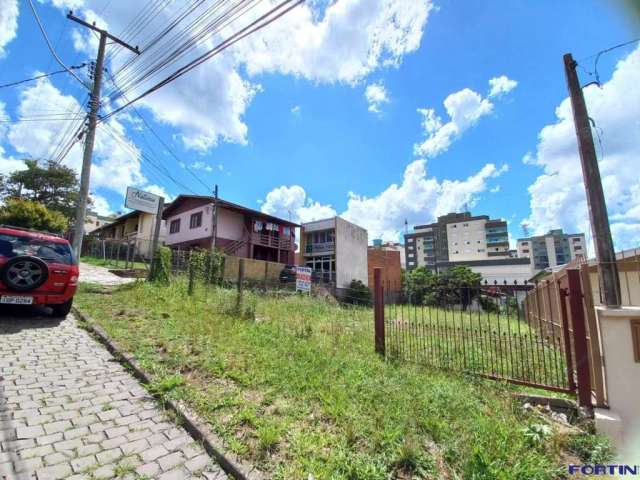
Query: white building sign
[(140, 200), (303, 279)]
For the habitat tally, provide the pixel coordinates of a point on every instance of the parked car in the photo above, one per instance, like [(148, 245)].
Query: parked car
[(37, 268)]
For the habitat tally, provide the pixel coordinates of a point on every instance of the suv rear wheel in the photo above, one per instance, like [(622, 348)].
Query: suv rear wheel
[(24, 273), (61, 309)]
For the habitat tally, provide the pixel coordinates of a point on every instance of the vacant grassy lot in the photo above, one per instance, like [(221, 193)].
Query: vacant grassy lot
[(293, 386)]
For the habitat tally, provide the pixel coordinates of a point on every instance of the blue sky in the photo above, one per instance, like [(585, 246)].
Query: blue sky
[(292, 132)]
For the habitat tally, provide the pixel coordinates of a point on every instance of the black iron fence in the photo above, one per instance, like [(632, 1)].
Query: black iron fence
[(482, 329)]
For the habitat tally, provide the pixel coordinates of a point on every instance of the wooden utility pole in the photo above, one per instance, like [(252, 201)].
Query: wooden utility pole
[(94, 106), (214, 219), (605, 254)]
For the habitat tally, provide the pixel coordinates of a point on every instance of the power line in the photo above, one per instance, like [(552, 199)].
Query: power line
[(44, 75), (51, 49), (254, 26), (164, 144), (602, 52)]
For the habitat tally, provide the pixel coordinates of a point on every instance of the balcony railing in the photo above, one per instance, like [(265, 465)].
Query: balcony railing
[(325, 247), (272, 241)]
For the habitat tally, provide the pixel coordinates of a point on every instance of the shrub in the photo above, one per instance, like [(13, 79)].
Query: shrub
[(358, 293), (161, 268), (28, 214)]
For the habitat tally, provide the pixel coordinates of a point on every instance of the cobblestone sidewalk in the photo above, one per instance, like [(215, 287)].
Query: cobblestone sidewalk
[(101, 275), (69, 410)]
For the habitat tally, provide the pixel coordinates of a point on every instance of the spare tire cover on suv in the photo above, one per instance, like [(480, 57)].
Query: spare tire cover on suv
[(24, 273)]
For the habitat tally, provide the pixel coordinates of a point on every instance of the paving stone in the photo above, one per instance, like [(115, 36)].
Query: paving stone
[(169, 461), (72, 408)]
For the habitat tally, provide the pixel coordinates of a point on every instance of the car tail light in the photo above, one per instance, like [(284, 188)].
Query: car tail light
[(73, 280)]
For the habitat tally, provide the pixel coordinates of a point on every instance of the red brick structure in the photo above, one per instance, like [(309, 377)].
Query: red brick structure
[(389, 261)]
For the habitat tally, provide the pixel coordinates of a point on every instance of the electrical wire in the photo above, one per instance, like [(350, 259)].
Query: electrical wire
[(602, 52), (263, 21), (162, 142), (143, 156), (51, 49), (38, 77)]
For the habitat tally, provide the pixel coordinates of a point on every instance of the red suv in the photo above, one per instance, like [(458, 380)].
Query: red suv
[(37, 268)]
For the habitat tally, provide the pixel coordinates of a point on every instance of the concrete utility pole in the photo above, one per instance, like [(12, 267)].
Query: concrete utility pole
[(94, 106), (605, 254)]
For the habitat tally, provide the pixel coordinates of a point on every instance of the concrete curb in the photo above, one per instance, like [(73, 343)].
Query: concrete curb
[(196, 428)]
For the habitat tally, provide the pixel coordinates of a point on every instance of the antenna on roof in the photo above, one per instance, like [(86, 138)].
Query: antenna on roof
[(406, 226)]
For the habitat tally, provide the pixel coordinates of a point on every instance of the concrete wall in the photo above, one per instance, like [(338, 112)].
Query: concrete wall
[(254, 270), (351, 253), (500, 273), (622, 373)]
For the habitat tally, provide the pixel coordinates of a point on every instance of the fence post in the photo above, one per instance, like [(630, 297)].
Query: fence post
[(378, 311), (240, 285), (580, 339), (192, 274)]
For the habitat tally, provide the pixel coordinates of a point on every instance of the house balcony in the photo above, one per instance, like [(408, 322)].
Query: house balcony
[(319, 248), (271, 241)]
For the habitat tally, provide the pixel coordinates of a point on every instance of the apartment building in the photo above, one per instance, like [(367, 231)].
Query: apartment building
[(553, 249), (456, 237), (336, 250), (240, 231)]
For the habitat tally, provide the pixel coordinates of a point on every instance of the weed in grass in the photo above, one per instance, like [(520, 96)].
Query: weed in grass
[(411, 458), (591, 448), (537, 434), (268, 438), (166, 384), (123, 469)]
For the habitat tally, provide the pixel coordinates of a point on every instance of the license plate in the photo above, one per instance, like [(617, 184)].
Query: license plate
[(16, 300)]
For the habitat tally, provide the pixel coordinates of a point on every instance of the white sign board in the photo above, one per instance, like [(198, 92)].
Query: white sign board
[(303, 279), (141, 200)]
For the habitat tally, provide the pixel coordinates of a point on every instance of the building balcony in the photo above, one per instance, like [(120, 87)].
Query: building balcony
[(319, 248), (271, 241)]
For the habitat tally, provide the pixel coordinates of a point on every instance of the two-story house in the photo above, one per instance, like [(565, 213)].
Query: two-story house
[(240, 231), (135, 227)]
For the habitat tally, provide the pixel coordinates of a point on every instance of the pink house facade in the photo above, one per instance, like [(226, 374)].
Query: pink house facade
[(240, 231)]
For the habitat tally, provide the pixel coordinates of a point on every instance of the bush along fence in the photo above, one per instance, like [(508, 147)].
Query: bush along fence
[(486, 330)]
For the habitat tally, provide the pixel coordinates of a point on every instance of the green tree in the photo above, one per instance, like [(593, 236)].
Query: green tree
[(28, 214), (455, 286), (358, 293), (420, 286), (54, 186)]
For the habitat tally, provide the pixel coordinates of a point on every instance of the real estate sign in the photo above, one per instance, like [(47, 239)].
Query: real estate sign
[(303, 279), (141, 200)]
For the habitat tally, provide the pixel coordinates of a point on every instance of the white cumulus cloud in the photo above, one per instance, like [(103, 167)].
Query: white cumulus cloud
[(418, 199), (8, 23), (501, 85), (292, 202), (464, 108), (376, 95), (557, 196), (350, 40)]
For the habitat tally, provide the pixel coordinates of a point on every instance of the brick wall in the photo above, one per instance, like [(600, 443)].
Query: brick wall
[(389, 261)]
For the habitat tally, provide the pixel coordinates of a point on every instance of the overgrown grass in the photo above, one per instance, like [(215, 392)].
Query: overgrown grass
[(295, 388)]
